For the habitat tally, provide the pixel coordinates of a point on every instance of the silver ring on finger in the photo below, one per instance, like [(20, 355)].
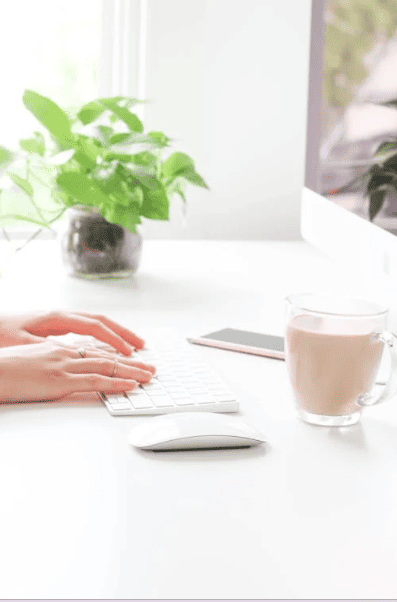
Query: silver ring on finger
[(114, 369), (82, 351)]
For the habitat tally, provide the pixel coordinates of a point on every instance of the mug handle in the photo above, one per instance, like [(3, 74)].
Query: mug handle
[(366, 399)]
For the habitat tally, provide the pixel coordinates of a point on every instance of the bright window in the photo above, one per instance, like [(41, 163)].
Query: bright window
[(71, 51), (52, 47)]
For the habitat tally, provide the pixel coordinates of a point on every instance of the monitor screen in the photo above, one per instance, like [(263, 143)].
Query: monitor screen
[(352, 130)]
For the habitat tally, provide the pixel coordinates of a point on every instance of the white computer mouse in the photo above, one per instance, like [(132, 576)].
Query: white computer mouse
[(194, 430)]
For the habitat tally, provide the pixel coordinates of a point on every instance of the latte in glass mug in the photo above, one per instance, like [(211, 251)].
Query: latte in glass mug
[(334, 348)]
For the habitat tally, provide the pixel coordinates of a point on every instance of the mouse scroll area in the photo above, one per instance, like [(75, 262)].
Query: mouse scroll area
[(194, 431), (201, 442)]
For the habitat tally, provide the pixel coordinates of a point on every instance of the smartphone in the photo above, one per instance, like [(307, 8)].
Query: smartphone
[(244, 341)]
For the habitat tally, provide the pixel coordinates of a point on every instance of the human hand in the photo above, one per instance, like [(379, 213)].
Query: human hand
[(34, 327), (49, 370)]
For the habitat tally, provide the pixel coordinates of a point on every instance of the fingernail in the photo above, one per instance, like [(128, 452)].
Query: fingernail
[(133, 384)]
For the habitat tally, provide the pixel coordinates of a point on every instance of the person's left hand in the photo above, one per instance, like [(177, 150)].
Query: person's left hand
[(34, 327)]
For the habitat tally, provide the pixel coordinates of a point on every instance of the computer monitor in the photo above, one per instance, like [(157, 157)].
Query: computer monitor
[(353, 68)]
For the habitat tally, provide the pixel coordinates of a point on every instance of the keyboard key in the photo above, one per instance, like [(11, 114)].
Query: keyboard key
[(184, 401), (168, 384), (193, 385), (180, 395), (121, 406), (114, 399), (204, 398), (140, 401), (227, 397), (197, 391), (156, 393), (152, 387), (190, 382), (162, 401), (218, 390), (174, 388)]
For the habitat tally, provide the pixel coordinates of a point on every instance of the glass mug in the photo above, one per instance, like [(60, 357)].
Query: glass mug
[(334, 346)]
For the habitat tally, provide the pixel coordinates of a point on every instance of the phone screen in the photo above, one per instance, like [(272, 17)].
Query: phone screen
[(250, 339)]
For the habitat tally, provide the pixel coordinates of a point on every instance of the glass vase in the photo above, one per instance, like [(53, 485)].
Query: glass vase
[(94, 248)]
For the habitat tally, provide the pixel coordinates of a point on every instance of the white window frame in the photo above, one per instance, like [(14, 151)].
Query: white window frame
[(122, 72)]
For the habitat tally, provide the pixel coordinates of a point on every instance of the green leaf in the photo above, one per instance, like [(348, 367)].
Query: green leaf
[(376, 202), (194, 178), (6, 157), (117, 138), (122, 157), (379, 179), (131, 120), (386, 146), (145, 158), (22, 183), (137, 196), (155, 205), (160, 138), (181, 194), (177, 187), (50, 115), (87, 153), (138, 138), (144, 176), (90, 146), (128, 100), (175, 164), (62, 198), (84, 163), (119, 198), (389, 103), (34, 145), (106, 132), (128, 217), (91, 111), (82, 188)]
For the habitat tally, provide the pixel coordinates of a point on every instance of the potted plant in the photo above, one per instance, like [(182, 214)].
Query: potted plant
[(103, 170)]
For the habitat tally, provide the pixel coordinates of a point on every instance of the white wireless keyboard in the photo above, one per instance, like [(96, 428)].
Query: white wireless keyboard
[(183, 381)]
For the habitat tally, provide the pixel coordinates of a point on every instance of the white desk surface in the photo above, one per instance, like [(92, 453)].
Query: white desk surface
[(84, 515)]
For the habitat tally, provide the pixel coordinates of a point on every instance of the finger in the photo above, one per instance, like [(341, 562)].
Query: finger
[(113, 352), (123, 332), (93, 352), (142, 365), (29, 339), (97, 382), (90, 326), (108, 368), (131, 362)]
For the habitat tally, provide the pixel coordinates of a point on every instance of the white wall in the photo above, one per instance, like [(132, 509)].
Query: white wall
[(228, 80)]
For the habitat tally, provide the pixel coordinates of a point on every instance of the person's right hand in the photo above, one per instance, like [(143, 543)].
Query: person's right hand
[(50, 370)]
